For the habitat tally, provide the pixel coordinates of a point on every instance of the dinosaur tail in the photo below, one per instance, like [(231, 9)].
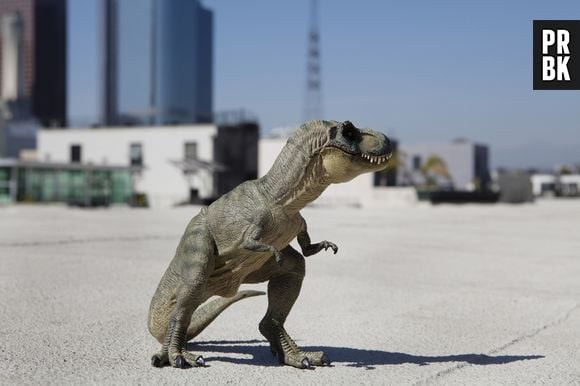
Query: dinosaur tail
[(206, 314)]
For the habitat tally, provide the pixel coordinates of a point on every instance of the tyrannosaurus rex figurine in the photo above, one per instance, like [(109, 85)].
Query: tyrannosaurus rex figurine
[(244, 237)]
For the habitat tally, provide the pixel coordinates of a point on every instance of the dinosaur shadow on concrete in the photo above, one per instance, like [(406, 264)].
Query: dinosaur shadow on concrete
[(352, 357)]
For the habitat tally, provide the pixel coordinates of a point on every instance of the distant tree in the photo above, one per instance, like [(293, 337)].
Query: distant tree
[(434, 169), (564, 170)]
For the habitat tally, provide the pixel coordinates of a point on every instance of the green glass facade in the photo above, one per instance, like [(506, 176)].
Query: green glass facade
[(5, 175), (85, 186)]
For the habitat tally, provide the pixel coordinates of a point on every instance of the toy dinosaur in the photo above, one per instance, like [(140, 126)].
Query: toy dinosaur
[(244, 236)]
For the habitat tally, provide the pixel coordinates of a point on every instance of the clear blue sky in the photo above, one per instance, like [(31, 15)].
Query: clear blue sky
[(418, 70)]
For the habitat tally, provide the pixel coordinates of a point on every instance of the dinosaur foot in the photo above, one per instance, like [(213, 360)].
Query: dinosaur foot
[(181, 360), (186, 359), (302, 359), (287, 350), (318, 358)]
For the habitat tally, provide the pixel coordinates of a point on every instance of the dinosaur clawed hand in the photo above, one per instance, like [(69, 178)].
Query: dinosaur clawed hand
[(327, 244), (313, 249)]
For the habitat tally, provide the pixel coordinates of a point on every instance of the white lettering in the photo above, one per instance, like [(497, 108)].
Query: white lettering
[(548, 70), (548, 39), (562, 66), (563, 40)]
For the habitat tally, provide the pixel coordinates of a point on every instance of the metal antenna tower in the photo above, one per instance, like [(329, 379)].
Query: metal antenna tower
[(313, 97)]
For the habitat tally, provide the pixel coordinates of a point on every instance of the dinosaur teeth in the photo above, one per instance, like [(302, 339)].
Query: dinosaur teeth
[(379, 159)]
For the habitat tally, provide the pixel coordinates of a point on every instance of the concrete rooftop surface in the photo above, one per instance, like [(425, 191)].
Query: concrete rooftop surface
[(450, 295)]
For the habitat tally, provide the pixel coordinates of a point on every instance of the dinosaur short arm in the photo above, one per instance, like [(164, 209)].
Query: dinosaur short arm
[(309, 249)]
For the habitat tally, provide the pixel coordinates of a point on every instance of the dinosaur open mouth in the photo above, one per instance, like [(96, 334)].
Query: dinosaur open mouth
[(371, 158), (376, 159)]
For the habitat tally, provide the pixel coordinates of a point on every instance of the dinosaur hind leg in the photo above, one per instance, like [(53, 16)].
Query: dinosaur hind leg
[(283, 290), (182, 288)]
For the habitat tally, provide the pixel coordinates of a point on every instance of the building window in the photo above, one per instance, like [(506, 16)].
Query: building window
[(136, 154), (190, 150), (75, 153), (547, 187), (416, 162)]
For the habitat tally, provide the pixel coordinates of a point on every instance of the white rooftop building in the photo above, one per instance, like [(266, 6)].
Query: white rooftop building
[(566, 185), (467, 163), (179, 164)]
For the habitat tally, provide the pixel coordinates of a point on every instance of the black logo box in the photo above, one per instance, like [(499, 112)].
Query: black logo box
[(573, 27)]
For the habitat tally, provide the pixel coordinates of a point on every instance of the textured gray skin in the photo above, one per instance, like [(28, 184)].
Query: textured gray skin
[(244, 237)]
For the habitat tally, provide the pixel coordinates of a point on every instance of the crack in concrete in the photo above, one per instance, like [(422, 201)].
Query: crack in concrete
[(88, 240), (529, 335)]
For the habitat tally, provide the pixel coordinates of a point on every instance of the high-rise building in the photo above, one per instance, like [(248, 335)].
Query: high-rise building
[(12, 57), (16, 49), (156, 62), (33, 59)]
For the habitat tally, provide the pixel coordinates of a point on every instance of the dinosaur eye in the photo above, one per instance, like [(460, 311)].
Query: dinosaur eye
[(349, 133)]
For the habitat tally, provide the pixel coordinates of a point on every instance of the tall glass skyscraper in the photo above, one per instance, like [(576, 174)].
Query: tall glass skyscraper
[(157, 62), (33, 58)]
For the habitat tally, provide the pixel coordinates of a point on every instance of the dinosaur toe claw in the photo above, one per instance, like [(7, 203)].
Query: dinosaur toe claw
[(325, 361), (200, 361), (305, 363), (180, 362), (155, 361)]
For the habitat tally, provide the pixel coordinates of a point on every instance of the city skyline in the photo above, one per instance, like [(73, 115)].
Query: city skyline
[(420, 72), (154, 62)]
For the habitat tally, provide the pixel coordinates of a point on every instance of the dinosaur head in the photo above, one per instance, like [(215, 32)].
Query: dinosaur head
[(351, 151), (320, 153)]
